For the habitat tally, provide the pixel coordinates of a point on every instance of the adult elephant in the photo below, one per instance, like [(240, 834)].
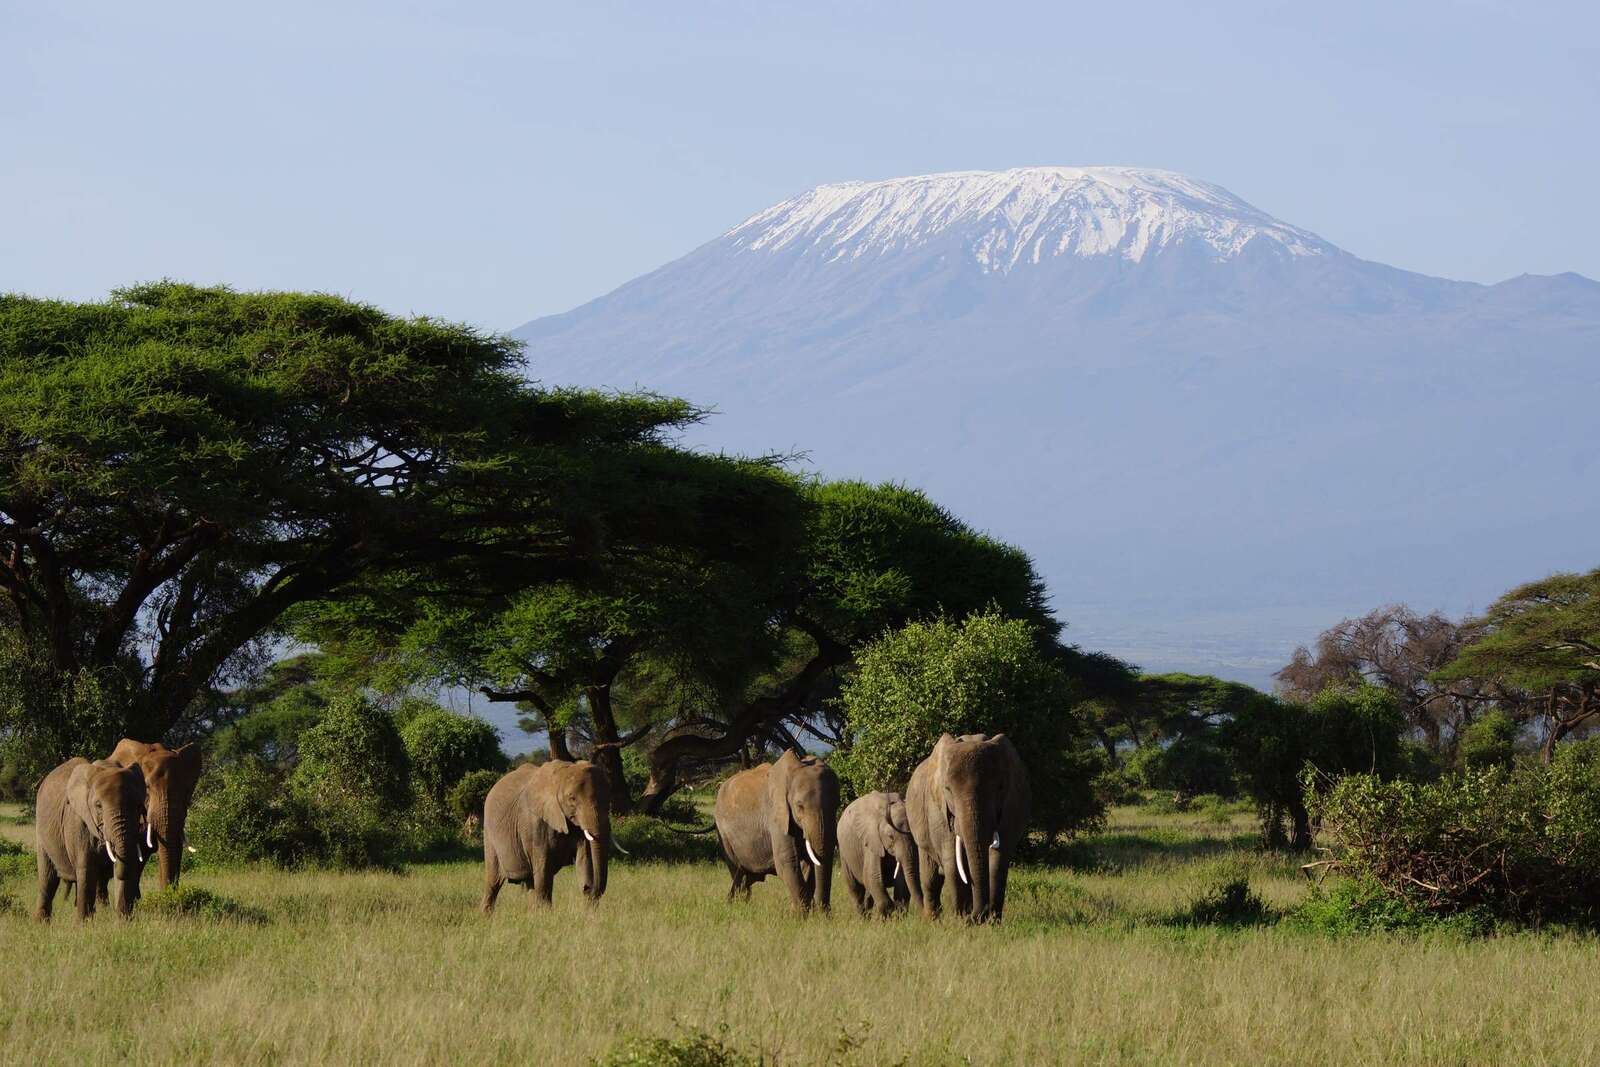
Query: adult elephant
[(779, 818), (539, 819), (86, 820), (170, 776), (968, 804), (878, 855)]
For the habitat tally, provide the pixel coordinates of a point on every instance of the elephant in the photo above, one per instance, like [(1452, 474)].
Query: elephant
[(169, 777), (878, 855), (538, 819), (83, 809), (970, 789), (778, 818)]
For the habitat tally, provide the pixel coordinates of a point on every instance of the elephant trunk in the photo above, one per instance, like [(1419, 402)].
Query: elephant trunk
[(126, 866), (973, 834), (906, 856), (169, 841), (599, 859), (820, 844)]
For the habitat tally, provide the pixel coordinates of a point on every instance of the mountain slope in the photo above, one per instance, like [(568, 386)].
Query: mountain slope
[(1215, 431)]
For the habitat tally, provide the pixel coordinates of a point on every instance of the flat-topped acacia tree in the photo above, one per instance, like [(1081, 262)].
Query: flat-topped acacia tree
[(179, 466)]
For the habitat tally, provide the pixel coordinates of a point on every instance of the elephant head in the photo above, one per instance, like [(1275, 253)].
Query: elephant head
[(109, 800), (803, 803), (972, 781), (170, 777), (894, 834), (576, 797)]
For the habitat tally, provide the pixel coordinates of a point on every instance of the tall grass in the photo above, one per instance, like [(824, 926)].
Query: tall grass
[(1089, 967)]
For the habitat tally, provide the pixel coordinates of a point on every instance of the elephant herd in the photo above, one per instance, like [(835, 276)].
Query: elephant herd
[(100, 822), (963, 815)]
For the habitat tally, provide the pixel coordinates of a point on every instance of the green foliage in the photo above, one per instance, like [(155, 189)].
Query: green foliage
[(1226, 899), (985, 674), (354, 759), (15, 860), (468, 794), (1342, 731), (1190, 765), (651, 839), (442, 748), (693, 1048), (289, 698), (1489, 742), (47, 714), (1362, 906), (244, 812), (192, 902), (1520, 844)]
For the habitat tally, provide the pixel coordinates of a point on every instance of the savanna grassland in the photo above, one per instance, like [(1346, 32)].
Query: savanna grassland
[(1095, 963)]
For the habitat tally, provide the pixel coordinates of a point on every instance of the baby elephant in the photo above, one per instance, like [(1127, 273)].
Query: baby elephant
[(878, 855), (87, 818)]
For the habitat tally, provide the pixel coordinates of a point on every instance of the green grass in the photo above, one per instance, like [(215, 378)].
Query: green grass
[(1098, 962)]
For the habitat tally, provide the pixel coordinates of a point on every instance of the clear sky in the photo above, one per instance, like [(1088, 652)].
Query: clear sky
[(491, 162)]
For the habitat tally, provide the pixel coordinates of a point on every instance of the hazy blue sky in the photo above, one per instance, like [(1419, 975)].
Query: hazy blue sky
[(491, 162)]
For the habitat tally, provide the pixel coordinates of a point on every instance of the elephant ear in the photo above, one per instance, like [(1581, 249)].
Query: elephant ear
[(78, 799), (128, 752), (186, 766), (898, 817), (547, 797), (941, 752)]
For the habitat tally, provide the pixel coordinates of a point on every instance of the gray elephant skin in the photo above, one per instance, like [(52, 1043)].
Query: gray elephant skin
[(877, 854), (170, 776), (779, 818), (539, 819), (968, 803), (88, 826)]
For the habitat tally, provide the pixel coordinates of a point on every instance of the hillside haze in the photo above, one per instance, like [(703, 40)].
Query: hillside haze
[(1216, 432)]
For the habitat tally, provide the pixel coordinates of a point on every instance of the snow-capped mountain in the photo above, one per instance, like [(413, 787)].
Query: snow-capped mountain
[(1215, 431)]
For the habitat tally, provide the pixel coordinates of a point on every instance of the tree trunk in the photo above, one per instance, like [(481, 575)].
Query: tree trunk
[(608, 746)]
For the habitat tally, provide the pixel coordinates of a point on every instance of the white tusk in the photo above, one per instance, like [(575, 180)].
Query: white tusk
[(619, 848), (896, 873), (190, 848), (812, 854), (149, 836), (995, 844), (962, 871), (109, 856), (588, 836)]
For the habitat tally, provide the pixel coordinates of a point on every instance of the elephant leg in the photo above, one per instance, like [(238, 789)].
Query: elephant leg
[(493, 879), (543, 881), (999, 871), (959, 889), (87, 889), (102, 892), (872, 872), (49, 882), (854, 888), (786, 859), (932, 887)]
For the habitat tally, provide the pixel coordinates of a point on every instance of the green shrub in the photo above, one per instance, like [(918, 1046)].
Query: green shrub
[(1362, 906), (985, 674), (1489, 742), (15, 860), (650, 839), (1189, 765), (442, 748), (1521, 844), (183, 901), (468, 794), (694, 1048), (246, 812), (354, 760), (1226, 899)]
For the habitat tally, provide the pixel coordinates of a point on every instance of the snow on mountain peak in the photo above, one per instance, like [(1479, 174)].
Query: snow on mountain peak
[(1025, 215)]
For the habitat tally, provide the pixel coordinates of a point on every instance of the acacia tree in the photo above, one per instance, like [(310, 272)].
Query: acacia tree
[(1400, 650), (1539, 645), (874, 557), (179, 466)]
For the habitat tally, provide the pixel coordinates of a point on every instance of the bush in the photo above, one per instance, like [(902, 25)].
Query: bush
[(1489, 742), (1362, 906), (468, 795), (183, 901), (694, 1048), (442, 748), (985, 674), (246, 812), (1227, 900), (15, 860), (647, 838), (1519, 844), (354, 760), (1189, 765)]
